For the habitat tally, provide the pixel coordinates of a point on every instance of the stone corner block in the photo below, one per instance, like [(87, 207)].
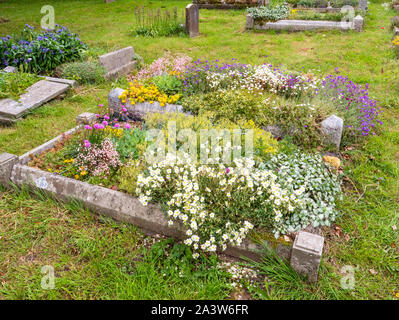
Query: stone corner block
[(306, 254), (85, 118), (7, 162), (358, 22), (331, 129), (250, 22), (10, 69)]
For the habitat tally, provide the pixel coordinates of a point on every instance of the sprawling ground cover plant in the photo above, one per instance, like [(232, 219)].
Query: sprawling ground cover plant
[(361, 113), (271, 12), (39, 52), (322, 3)]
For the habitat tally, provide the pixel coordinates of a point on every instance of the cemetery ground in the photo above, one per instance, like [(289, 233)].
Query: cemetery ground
[(97, 258)]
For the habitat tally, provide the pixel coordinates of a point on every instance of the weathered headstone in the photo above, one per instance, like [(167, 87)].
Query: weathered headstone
[(358, 23), (363, 5), (118, 62), (108, 1), (306, 254), (250, 22), (331, 129), (192, 20)]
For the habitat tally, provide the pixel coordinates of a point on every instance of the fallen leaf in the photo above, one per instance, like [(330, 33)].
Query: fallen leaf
[(394, 227), (373, 272)]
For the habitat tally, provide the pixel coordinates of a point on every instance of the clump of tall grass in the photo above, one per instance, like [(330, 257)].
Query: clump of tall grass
[(159, 22)]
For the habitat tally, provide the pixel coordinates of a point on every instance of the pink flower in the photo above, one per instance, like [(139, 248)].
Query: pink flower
[(96, 126), (127, 126), (105, 123), (106, 117), (124, 109), (117, 125), (87, 127), (101, 105), (87, 143), (97, 115)]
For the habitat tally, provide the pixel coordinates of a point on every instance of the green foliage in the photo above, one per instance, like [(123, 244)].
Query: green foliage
[(85, 72), (168, 84), (321, 192), (168, 29), (39, 52), (131, 145), (13, 85), (269, 12), (297, 118), (127, 176)]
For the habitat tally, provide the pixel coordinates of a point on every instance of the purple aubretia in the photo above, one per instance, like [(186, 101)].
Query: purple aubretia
[(355, 99)]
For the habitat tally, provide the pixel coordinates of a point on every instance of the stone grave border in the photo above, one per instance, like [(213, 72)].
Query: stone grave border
[(304, 25), (304, 253), (12, 111)]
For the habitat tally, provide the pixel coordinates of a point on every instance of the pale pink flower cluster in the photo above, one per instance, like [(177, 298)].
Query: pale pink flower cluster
[(167, 63), (99, 160)]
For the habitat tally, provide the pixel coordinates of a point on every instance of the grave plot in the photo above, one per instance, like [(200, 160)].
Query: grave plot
[(284, 17), (39, 93), (229, 4)]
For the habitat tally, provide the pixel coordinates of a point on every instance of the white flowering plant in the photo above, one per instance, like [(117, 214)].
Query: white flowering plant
[(219, 205), (320, 189)]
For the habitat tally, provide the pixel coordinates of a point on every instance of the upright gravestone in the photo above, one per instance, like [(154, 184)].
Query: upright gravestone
[(192, 20), (363, 5), (118, 62)]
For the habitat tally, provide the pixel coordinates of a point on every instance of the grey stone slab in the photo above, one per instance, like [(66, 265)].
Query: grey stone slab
[(396, 7), (303, 25), (331, 129), (42, 92), (192, 20), (7, 162), (11, 109), (10, 69), (71, 83), (306, 254), (86, 118), (117, 62), (125, 69), (395, 31)]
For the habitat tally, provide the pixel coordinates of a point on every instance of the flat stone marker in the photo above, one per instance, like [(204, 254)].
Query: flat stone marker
[(192, 20), (300, 25), (7, 162), (306, 254), (118, 62)]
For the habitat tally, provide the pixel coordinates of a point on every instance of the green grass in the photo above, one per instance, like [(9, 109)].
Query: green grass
[(89, 253)]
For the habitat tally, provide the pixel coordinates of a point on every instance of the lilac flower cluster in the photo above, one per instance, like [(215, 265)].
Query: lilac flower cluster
[(354, 99), (39, 52)]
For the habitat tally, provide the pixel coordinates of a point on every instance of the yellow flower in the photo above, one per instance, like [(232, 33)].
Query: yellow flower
[(76, 176), (83, 173)]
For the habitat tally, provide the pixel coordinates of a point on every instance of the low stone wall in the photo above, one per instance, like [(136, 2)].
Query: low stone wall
[(304, 25), (304, 254)]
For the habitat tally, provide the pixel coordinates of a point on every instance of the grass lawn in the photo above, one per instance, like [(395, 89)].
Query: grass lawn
[(100, 259)]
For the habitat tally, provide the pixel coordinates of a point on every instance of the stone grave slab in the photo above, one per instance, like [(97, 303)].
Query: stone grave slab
[(118, 62)]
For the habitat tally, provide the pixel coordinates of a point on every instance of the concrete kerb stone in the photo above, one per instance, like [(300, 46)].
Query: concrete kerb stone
[(7, 162), (358, 22), (85, 118), (306, 254), (10, 69)]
